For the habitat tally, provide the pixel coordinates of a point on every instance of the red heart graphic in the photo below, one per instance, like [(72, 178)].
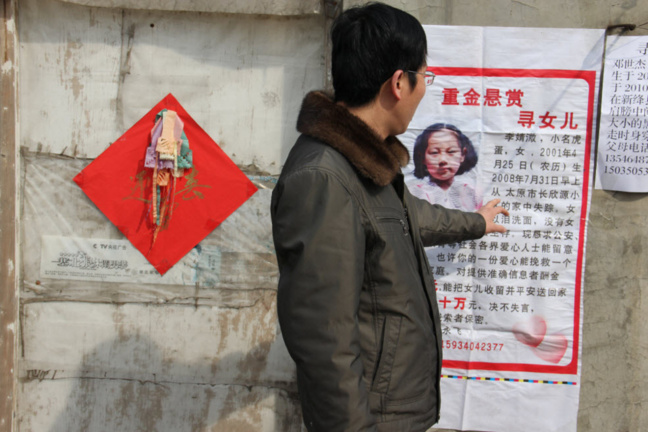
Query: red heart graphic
[(531, 332), (552, 348)]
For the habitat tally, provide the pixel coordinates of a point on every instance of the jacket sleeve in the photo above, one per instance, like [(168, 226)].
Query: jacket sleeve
[(439, 225), (320, 245)]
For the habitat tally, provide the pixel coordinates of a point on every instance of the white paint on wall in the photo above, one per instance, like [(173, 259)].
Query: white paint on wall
[(7, 67), (10, 25), (10, 266)]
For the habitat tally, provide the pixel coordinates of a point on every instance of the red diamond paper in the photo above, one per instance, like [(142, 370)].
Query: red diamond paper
[(121, 187)]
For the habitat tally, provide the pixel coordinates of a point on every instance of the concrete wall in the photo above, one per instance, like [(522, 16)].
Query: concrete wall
[(119, 356), (99, 356)]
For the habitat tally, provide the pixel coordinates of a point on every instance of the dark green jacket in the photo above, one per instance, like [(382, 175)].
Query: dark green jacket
[(356, 301)]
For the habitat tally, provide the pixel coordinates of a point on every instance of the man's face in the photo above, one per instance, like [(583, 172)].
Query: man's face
[(443, 156)]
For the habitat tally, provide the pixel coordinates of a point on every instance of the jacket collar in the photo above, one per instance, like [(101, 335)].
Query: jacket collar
[(331, 123)]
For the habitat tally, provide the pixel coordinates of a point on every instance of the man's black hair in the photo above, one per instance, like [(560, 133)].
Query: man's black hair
[(370, 43), (421, 145)]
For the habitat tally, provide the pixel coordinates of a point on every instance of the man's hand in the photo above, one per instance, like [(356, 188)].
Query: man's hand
[(489, 211)]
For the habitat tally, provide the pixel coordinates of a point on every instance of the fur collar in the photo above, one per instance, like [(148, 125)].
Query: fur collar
[(378, 160)]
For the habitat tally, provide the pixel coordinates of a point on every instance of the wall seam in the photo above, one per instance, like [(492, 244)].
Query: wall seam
[(8, 216)]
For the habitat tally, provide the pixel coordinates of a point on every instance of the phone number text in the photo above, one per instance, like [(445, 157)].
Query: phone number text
[(472, 346)]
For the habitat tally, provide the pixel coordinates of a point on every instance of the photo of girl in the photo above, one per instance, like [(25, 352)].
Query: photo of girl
[(444, 159)]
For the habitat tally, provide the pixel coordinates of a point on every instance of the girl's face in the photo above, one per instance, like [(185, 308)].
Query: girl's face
[(444, 156)]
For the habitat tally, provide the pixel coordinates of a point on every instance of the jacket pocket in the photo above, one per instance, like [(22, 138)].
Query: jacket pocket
[(395, 237), (390, 220), (389, 342)]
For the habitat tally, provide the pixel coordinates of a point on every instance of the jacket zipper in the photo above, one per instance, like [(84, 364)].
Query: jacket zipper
[(405, 226), (402, 223), (406, 222)]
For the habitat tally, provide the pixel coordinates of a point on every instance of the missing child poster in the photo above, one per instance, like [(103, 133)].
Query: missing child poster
[(511, 116), (623, 135)]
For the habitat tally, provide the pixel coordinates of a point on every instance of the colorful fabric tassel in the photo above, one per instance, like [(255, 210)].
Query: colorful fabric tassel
[(169, 156)]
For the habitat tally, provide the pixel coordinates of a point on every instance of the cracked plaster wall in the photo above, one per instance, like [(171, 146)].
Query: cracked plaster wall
[(107, 356)]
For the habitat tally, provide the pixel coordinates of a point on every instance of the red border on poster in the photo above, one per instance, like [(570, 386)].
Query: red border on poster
[(590, 78)]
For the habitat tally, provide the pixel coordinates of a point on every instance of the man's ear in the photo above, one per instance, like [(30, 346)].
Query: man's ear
[(396, 84)]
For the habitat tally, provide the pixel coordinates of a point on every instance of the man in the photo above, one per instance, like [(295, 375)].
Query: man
[(356, 301)]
